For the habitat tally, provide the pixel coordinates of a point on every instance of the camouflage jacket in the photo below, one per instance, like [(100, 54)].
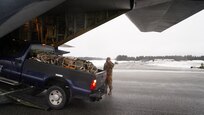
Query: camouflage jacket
[(108, 67)]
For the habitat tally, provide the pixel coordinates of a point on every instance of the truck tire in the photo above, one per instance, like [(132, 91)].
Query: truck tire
[(56, 97)]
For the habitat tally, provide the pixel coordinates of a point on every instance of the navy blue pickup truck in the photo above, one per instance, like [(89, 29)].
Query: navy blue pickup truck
[(61, 84)]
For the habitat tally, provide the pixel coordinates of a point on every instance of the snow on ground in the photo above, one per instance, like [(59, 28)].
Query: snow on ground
[(99, 63), (177, 64), (159, 62)]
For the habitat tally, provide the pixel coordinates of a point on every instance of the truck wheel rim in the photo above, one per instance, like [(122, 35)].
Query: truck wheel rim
[(55, 97)]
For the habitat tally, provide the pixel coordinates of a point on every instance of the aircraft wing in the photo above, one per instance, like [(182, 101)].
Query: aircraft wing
[(55, 22), (158, 15)]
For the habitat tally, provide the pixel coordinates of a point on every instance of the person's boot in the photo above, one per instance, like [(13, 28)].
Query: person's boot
[(110, 92)]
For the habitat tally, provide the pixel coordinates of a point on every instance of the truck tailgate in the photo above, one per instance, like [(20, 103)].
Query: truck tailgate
[(100, 78)]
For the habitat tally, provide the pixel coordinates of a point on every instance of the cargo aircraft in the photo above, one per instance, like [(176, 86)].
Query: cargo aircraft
[(55, 22)]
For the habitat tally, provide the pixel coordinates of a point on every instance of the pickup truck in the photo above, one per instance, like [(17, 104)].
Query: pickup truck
[(60, 84)]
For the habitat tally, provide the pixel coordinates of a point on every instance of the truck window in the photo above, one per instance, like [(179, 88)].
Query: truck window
[(42, 49), (12, 48)]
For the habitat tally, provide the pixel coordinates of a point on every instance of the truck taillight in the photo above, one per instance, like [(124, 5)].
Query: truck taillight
[(93, 85)]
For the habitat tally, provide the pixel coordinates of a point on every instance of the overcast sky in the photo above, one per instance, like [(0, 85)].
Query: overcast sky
[(121, 37)]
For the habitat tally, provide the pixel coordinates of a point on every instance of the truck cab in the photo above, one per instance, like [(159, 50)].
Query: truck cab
[(11, 60)]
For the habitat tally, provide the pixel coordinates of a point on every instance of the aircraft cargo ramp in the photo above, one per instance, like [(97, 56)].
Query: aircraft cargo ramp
[(21, 95)]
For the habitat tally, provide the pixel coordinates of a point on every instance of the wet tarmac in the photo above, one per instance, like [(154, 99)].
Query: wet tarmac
[(137, 92)]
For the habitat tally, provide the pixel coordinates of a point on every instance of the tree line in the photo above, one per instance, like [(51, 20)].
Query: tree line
[(91, 58), (147, 58)]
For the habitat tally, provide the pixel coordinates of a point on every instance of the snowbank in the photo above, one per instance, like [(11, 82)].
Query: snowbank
[(177, 64)]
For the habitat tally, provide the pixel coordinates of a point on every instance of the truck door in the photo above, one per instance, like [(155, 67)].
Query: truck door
[(7, 69), (11, 61)]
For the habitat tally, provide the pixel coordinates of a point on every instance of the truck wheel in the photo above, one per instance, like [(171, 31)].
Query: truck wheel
[(56, 97)]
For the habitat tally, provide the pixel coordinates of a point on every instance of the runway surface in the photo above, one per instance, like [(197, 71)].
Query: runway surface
[(138, 90)]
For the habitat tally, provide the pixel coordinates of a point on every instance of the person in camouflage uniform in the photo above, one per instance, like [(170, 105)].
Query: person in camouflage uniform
[(108, 67)]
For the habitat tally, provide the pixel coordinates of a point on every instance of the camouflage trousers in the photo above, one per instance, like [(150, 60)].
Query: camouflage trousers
[(109, 82)]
